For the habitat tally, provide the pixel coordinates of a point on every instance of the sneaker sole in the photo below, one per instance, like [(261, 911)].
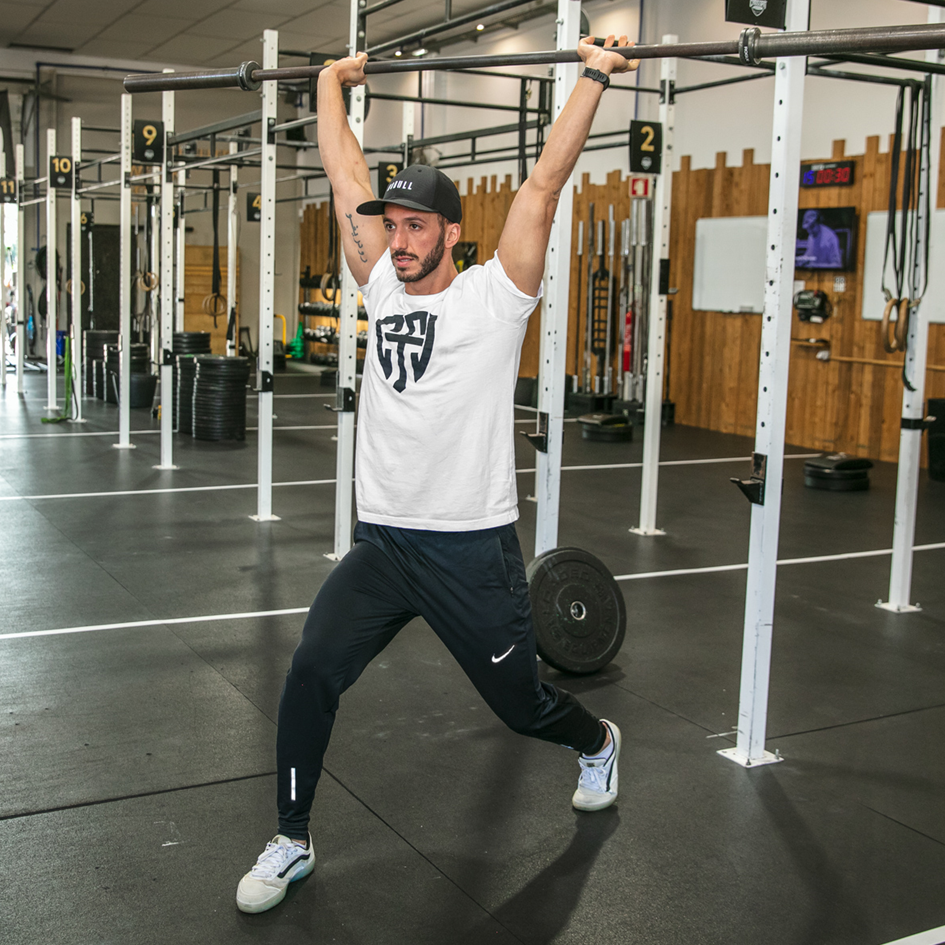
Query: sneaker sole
[(609, 799), (254, 908)]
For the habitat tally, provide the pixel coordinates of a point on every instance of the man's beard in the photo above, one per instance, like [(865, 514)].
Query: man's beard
[(429, 264)]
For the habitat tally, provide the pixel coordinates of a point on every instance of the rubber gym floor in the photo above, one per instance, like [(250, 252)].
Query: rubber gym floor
[(137, 779)]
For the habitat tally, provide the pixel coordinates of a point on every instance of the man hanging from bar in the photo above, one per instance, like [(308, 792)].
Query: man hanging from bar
[(435, 476)]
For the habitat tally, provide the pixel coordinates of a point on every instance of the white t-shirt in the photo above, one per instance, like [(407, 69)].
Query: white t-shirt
[(435, 427)]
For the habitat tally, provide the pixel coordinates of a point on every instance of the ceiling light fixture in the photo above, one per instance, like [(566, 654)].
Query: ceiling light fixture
[(419, 52), (480, 26), (398, 53)]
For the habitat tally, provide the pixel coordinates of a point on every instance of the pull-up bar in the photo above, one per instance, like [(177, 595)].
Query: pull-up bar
[(751, 47)]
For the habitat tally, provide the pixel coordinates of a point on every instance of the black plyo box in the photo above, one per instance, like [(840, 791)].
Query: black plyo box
[(771, 13)]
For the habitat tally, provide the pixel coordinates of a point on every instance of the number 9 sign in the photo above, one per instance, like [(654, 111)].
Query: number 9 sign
[(148, 142)]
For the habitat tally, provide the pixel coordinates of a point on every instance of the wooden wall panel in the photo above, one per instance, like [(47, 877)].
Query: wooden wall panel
[(485, 208), (198, 280), (852, 405)]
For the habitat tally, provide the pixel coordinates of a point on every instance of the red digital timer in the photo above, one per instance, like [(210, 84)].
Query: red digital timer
[(828, 174)]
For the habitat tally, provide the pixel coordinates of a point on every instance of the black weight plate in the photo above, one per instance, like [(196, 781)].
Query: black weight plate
[(818, 472), (837, 485), (578, 610)]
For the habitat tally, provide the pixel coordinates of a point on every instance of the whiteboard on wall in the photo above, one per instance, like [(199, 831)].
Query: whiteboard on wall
[(730, 261), (873, 300)]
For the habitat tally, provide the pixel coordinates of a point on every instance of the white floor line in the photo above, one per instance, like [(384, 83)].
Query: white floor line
[(326, 426), (114, 433), (33, 436), (100, 495), (208, 618), (932, 937), (326, 482), (817, 559), (682, 462)]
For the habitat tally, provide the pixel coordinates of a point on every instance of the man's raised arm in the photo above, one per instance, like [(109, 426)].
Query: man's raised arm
[(363, 238), (527, 228)]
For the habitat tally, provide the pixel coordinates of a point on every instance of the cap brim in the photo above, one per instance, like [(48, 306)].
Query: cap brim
[(375, 208)]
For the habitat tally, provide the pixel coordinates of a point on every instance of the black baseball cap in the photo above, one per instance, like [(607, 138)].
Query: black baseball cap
[(419, 187)]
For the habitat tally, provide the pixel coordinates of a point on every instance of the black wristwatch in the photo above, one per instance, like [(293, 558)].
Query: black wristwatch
[(597, 76)]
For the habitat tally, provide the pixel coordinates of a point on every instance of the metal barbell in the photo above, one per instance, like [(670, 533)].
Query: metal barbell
[(751, 47)]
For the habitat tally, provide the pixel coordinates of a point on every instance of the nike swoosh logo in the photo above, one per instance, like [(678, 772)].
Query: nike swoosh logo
[(498, 659)]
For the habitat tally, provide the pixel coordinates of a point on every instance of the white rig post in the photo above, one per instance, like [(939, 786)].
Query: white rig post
[(267, 262), (181, 247), (554, 315), (3, 291), (913, 401), (232, 253), (775, 354), (76, 223), (124, 286), (347, 351), (20, 269), (52, 294), (166, 288), (656, 324)]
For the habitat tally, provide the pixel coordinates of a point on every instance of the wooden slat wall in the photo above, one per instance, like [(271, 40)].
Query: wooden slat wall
[(485, 208), (198, 279), (832, 405), (713, 359)]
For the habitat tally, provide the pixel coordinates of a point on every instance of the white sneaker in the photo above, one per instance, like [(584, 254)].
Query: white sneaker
[(279, 864), (597, 785)]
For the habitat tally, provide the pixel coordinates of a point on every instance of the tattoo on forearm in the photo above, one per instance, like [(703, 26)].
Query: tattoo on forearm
[(354, 235)]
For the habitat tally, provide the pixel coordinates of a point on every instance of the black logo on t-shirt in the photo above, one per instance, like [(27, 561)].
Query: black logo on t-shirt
[(394, 333)]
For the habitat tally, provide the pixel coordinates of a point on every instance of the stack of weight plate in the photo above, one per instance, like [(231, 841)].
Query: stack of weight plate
[(94, 343), (140, 356), (220, 398), (184, 373), (606, 427), (837, 472), (186, 344), (191, 342), (98, 378)]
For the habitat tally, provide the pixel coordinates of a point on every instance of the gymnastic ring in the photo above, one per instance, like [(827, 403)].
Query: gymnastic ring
[(147, 281), (329, 281), (214, 305), (902, 324), (889, 344), (69, 287)]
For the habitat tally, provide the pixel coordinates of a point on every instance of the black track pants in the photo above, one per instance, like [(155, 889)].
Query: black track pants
[(470, 588)]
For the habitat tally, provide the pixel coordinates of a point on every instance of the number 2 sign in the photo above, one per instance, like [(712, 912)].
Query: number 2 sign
[(646, 147)]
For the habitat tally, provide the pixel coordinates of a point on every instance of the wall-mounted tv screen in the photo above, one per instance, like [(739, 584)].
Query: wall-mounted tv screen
[(826, 238)]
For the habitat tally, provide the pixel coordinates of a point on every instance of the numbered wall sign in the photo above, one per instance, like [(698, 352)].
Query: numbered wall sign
[(646, 147), (7, 190), (771, 13), (87, 221), (386, 172), (148, 142), (253, 207), (60, 173)]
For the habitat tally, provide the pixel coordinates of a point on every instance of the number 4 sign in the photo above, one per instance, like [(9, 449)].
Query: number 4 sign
[(646, 147)]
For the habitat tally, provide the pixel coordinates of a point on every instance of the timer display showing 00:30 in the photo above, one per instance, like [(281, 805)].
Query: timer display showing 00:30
[(837, 174)]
